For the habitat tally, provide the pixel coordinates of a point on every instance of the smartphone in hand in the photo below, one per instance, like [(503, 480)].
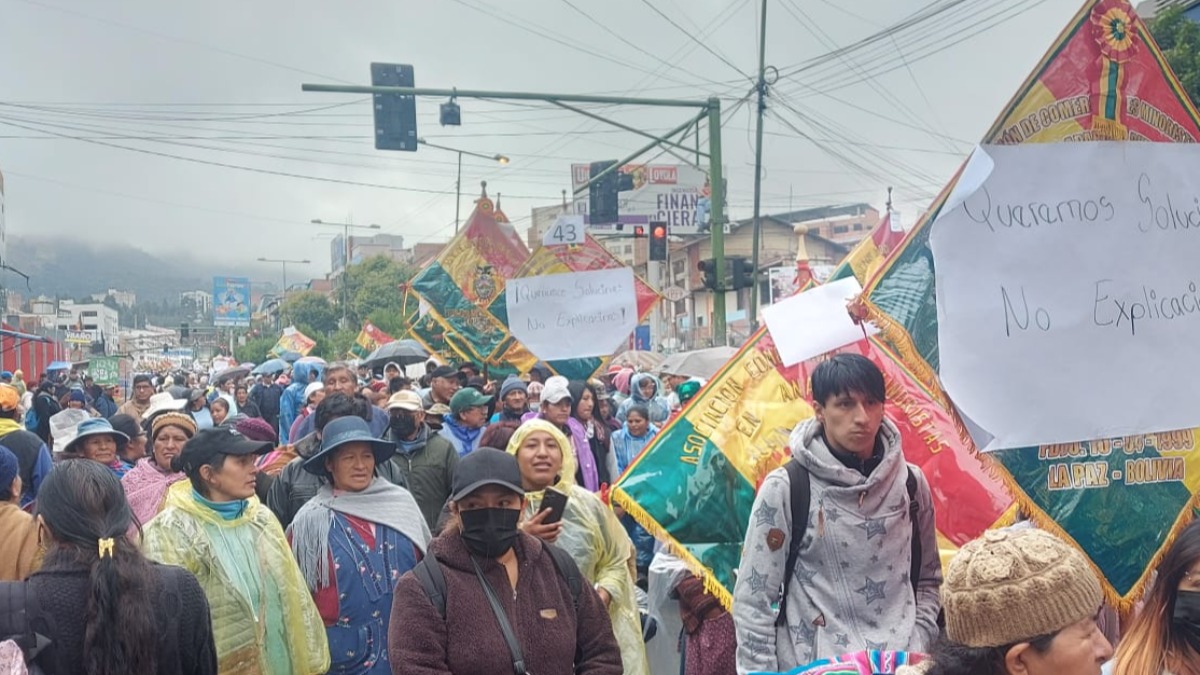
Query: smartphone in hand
[(557, 503)]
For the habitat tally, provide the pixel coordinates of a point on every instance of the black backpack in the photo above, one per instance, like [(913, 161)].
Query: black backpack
[(18, 606), (801, 489), (429, 574)]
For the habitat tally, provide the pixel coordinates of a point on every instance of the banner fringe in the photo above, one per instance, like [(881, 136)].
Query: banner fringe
[(1124, 604), (711, 585)]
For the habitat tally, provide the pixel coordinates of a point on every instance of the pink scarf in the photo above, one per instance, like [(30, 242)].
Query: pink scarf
[(146, 486)]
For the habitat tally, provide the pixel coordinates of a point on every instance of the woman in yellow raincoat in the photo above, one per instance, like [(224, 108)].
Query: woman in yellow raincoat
[(264, 619), (589, 531)]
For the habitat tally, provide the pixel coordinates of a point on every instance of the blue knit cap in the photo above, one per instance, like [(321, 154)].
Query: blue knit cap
[(8, 468), (511, 384)]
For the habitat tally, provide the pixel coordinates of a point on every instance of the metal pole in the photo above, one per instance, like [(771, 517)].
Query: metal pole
[(625, 127), (345, 270), (284, 302), (762, 107), (458, 194), (717, 219), (509, 95)]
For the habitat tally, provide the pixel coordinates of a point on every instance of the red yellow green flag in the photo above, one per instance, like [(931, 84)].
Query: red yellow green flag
[(1103, 79)]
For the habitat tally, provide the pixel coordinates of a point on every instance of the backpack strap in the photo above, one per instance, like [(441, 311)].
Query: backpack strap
[(800, 484), (914, 508), (568, 570), (429, 574)]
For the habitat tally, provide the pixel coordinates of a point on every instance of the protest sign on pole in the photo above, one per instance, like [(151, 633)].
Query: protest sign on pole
[(573, 315), (105, 370)]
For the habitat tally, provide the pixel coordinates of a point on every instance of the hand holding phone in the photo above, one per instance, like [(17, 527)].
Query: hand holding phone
[(556, 502)]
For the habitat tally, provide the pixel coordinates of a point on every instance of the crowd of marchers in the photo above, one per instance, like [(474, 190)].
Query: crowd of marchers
[(325, 519)]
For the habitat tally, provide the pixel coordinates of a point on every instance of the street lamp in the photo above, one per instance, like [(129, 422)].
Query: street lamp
[(345, 256), (284, 262), (502, 160)]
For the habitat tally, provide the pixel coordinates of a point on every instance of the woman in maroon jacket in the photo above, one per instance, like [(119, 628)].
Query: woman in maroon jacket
[(556, 632)]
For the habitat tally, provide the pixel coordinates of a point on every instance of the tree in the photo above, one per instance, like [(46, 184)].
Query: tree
[(374, 288), (312, 310), (255, 350), (1179, 38)]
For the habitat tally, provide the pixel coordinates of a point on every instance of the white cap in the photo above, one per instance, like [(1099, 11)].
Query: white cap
[(555, 390), (312, 388)]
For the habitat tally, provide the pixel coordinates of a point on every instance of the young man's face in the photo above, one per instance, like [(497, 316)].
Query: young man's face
[(851, 421)]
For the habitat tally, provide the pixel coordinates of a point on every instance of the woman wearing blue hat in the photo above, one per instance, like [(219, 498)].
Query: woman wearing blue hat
[(97, 440), (353, 541)]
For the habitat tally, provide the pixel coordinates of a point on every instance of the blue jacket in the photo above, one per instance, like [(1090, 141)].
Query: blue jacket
[(293, 397)]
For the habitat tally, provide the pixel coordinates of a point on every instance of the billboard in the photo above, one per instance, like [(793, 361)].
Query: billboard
[(231, 301), (675, 194)]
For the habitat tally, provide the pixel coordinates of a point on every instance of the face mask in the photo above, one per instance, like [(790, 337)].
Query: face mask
[(489, 533), (403, 426), (1187, 617)]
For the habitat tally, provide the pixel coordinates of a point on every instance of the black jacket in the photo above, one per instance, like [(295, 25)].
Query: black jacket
[(184, 635)]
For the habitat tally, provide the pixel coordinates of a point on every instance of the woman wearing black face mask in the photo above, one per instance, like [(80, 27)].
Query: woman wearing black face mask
[(1165, 637), (481, 553)]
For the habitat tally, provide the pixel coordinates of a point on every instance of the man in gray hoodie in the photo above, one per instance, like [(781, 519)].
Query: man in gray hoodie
[(851, 587)]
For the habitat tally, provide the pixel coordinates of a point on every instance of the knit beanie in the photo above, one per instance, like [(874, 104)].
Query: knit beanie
[(9, 467), (512, 383), (1011, 585), (255, 429)]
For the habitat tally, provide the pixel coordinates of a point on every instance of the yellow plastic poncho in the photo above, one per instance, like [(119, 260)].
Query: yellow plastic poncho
[(593, 536), (264, 619)]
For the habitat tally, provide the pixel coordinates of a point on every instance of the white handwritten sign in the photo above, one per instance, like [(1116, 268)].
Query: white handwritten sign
[(568, 229), (1068, 293), (573, 315)]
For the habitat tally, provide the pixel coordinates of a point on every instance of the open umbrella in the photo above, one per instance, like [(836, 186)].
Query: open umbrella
[(637, 359), (703, 363), (315, 360), (58, 365), (232, 372), (270, 367), (291, 357), (402, 352)]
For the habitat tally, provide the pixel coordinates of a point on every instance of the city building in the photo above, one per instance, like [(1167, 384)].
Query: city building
[(91, 322), (199, 302), (364, 248), (688, 322), (126, 299), (425, 253), (147, 343)]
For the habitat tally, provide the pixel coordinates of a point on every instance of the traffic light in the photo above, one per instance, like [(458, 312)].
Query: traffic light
[(743, 273), (184, 331), (708, 268), (639, 231), (395, 114), (602, 194), (658, 242)]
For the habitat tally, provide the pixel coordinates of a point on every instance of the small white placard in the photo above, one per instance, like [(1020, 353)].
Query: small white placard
[(568, 230), (816, 321)]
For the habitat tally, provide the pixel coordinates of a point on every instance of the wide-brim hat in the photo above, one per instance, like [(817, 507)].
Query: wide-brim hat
[(162, 402), (342, 431), (96, 426)]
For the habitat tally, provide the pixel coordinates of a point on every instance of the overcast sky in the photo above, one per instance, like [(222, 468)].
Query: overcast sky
[(219, 82)]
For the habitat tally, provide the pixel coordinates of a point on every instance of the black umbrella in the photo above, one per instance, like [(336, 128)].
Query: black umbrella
[(402, 352)]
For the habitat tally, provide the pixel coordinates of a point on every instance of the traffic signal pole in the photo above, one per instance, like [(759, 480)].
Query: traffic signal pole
[(709, 109)]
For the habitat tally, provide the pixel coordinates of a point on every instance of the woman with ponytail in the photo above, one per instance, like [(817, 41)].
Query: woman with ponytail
[(105, 608)]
